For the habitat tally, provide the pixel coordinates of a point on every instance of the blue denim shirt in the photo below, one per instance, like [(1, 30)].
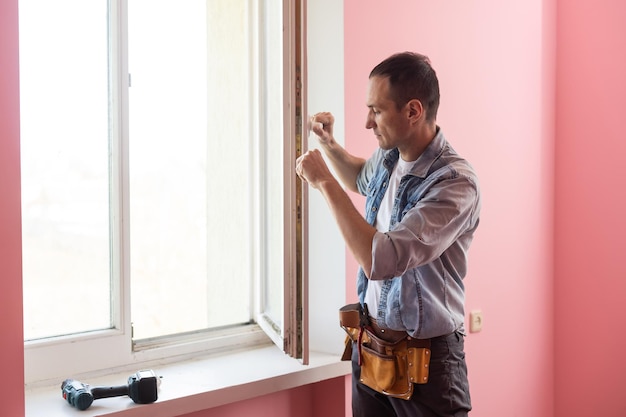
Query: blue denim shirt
[(423, 257)]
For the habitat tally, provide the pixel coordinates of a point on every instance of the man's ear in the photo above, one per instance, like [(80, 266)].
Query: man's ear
[(415, 110)]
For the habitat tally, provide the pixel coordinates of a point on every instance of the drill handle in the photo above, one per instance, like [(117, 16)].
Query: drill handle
[(107, 392)]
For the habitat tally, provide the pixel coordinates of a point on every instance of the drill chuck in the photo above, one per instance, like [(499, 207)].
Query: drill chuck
[(77, 394)]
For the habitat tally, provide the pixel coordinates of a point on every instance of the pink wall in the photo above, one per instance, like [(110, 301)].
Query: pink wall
[(590, 273), (495, 64), (322, 399), (11, 346), (527, 87)]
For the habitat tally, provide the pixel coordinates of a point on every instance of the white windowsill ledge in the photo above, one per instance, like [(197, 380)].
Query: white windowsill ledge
[(199, 384)]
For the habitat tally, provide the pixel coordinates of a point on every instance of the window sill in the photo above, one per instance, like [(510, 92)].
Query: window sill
[(200, 383)]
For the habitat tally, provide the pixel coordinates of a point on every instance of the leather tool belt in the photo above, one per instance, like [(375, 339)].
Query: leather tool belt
[(391, 361)]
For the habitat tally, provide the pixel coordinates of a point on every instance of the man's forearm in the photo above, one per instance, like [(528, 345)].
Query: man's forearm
[(346, 166), (357, 233)]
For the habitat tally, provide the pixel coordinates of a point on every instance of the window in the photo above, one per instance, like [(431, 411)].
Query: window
[(159, 200)]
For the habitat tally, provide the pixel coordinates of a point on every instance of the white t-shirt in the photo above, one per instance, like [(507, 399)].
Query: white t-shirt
[(383, 218)]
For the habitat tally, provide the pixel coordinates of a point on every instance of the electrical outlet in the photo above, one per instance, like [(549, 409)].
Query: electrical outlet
[(476, 321)]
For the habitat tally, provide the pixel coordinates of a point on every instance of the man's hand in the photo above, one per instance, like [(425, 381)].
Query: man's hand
[(312, 168), (345, 165), (322, 126)]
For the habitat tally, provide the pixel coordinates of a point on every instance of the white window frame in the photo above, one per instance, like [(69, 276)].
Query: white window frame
[(105, 351), (293, 335)]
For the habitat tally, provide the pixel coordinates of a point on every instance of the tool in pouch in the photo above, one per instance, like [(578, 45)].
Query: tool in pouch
[(391, 365)]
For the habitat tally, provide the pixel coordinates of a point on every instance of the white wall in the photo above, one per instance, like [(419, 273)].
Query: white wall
[(327, 271)]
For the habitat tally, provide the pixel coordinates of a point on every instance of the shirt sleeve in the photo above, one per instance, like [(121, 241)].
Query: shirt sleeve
[(446, 212), (367, 172)]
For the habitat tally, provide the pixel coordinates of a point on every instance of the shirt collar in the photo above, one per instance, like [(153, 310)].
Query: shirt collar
[(424, 162)]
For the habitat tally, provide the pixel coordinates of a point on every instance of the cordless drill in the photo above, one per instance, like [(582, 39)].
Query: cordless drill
[(141, 388)]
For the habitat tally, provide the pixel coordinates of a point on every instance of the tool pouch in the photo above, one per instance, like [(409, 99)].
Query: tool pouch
[(389, 367)]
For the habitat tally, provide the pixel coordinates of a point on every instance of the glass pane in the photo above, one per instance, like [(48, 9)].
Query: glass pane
[(190, 165), (274, 165), (65, 178)]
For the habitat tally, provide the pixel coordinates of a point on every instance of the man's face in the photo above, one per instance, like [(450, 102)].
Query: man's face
[(390, 124)]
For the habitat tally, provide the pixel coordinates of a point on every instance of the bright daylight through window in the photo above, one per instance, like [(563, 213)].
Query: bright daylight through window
[(156, 173)]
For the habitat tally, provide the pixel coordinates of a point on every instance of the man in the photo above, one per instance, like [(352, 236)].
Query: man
[(422, 209)]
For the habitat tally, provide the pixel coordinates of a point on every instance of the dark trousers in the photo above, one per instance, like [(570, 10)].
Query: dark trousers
[(446, 394)]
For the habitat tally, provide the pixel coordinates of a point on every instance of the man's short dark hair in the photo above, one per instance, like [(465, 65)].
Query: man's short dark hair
[(411, 77)]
